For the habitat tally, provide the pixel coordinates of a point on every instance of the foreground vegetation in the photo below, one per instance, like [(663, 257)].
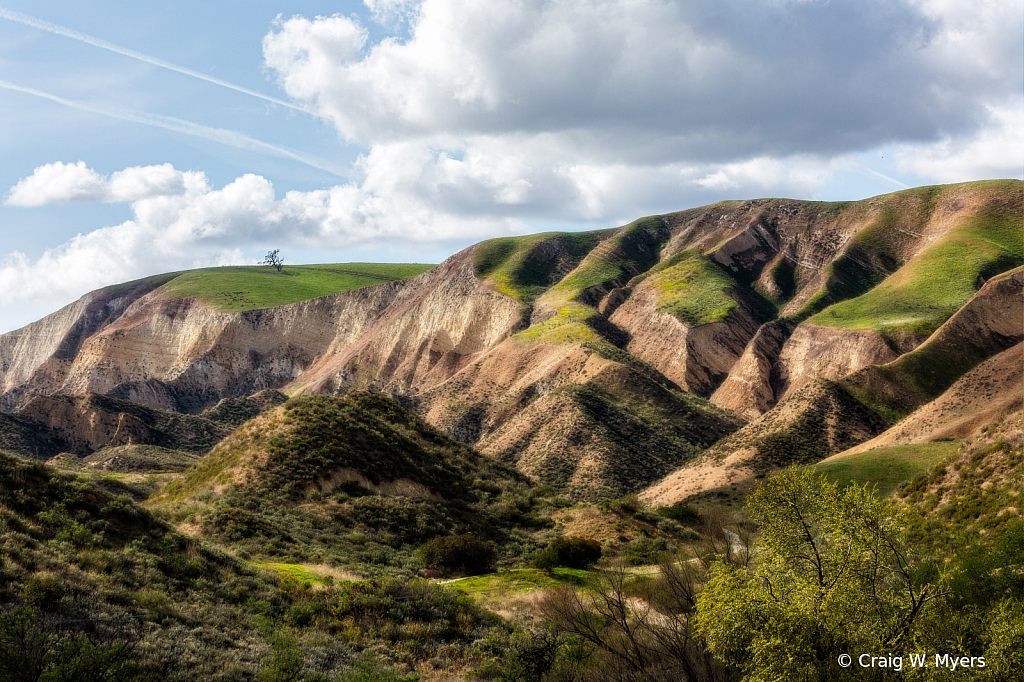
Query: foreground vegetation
[(93, 584)]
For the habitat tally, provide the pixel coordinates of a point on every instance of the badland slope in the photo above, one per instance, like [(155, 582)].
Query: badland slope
[(98, 430), (563, 352)]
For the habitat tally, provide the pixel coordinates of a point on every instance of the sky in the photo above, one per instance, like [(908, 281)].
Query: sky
[(139, 138)]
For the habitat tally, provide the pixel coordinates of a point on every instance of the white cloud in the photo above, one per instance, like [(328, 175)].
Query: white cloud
[(590, 109), (74, 182), (994, 151), (731, 80)]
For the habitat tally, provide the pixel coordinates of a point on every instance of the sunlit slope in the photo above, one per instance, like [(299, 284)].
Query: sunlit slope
[(248, 287), (886, 468), (923, 291)]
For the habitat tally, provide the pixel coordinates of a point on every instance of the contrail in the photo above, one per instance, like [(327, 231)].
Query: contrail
[(228, 137), (96, 42), (862, 167)]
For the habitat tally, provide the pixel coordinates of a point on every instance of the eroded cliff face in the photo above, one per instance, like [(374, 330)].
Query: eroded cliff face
[(181, 355), (696, 358)]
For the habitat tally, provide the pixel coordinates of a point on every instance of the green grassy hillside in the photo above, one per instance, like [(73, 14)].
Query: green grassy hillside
[(247, 287), (925, 291), (613, 263), (887, 468), (525, 267)]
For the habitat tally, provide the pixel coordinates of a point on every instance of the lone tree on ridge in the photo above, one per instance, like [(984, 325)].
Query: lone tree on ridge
[(273, 258)]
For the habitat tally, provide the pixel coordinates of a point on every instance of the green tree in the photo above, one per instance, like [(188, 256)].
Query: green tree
[(570, 552), (459, 555), (274, 260), (833, 576)]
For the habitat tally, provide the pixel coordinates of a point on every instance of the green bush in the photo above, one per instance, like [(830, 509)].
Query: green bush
[(569, 552), (459, 555), (645, 550), (681, 512)]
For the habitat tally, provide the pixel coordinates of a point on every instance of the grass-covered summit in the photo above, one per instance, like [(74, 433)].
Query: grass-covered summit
[(248, 287)]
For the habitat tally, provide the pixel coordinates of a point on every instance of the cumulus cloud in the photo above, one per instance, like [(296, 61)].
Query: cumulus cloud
[(718, 81), (994, 151), (558, 109), (75, 183)]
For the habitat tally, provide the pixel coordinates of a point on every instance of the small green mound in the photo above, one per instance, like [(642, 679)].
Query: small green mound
[(237, 411), (298, 573), (524, 267), (693, 289), (887, 468), (248, 287), (522, 580), (140, 459), (356, 481)]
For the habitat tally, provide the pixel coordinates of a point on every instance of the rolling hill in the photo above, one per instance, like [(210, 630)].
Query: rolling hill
[(357, 482)]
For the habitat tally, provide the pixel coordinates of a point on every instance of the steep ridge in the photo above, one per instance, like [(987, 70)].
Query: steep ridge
[(814, 422), (118, 434), (989, 393), (87, 423), (42, 352), (988, 324)]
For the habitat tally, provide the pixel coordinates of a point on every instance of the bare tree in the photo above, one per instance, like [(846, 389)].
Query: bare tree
[(638, 631), (274, 258)]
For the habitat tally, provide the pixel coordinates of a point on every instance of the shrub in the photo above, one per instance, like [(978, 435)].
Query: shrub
[(683, 513), (569, 552), (645, 550), (459, 554)]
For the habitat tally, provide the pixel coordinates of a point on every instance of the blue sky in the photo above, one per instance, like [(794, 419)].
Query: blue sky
[(418, 128)]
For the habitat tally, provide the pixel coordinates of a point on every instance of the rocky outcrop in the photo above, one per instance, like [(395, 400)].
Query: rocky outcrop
[(696, 358), (755, 382), (826, 352)]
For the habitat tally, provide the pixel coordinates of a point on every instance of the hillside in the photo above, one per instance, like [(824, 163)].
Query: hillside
[(356, 481), (818, 420), (512, 343), (988, 324), (89, 579), (74, 552), (973, 493)]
